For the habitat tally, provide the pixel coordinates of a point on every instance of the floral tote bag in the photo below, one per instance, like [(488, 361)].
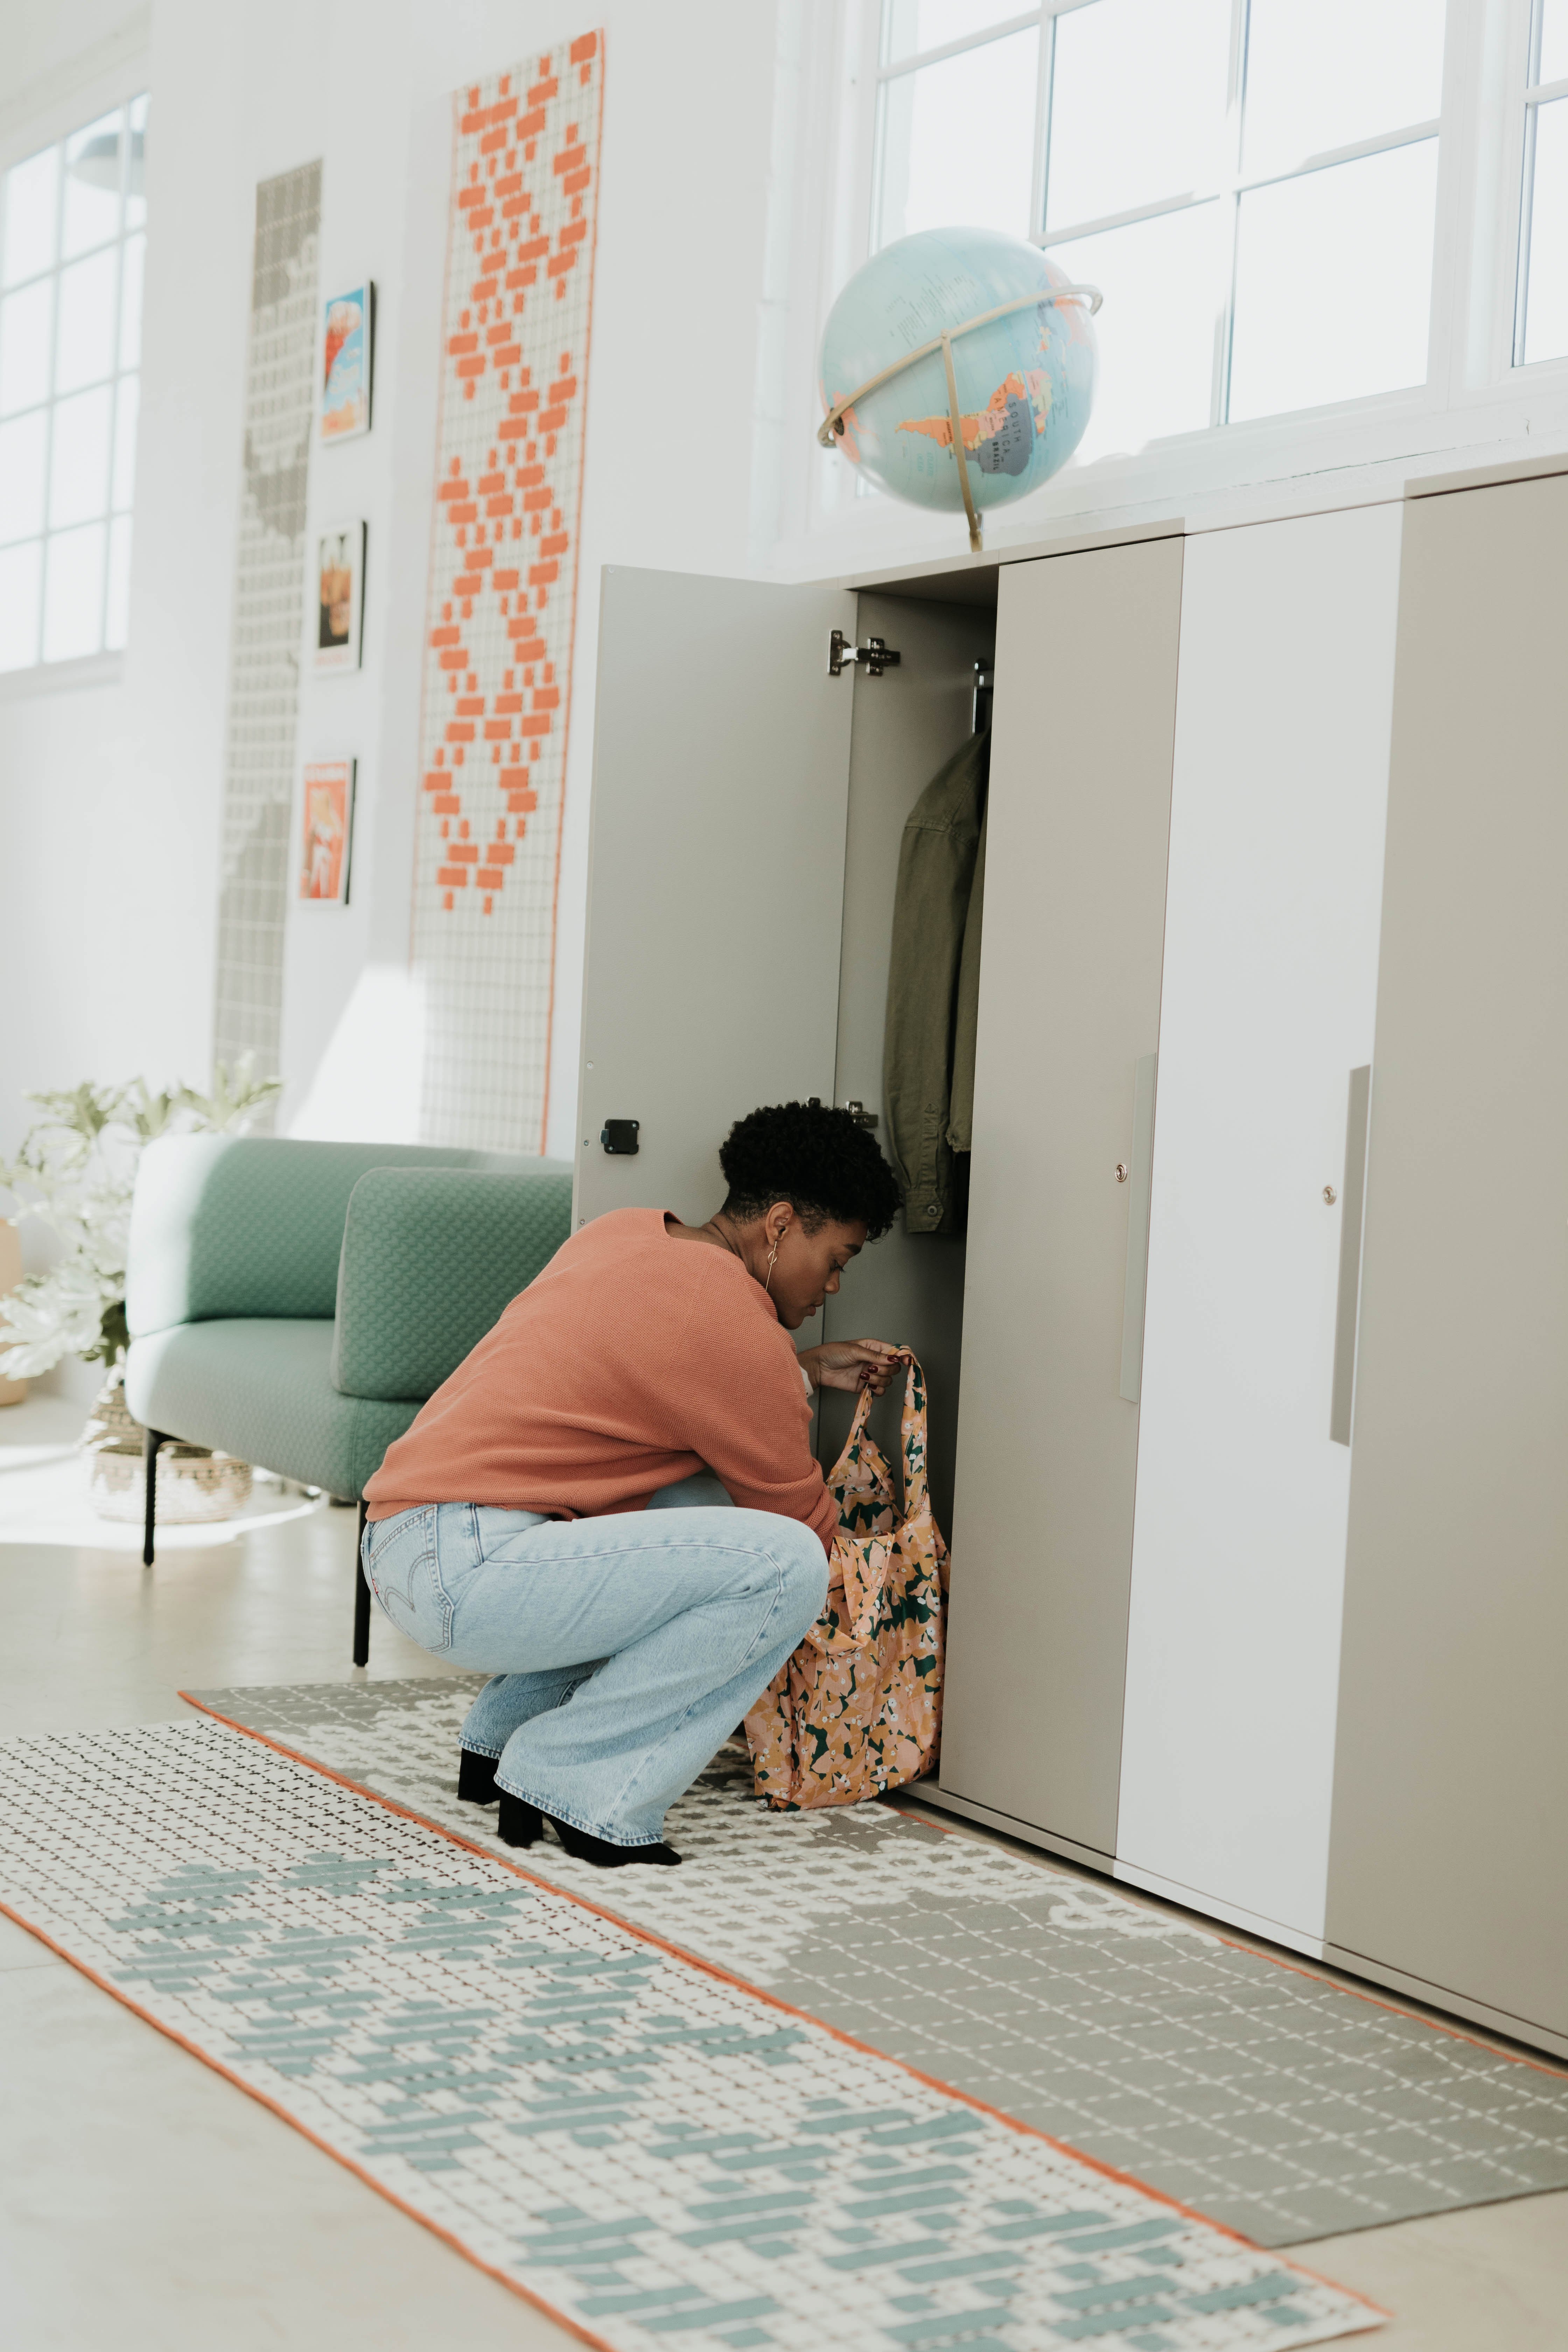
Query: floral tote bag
[(858, 1708)]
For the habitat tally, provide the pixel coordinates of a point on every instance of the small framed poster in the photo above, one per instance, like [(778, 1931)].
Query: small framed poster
[(327, 827), (347, 353), (340, 573)]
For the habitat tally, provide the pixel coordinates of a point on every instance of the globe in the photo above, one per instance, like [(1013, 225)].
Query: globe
[(1025, 382)]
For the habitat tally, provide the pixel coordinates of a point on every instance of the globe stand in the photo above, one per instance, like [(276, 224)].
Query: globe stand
[(832, 425)]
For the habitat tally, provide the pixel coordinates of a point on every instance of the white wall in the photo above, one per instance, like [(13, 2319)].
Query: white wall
[(111, 794)]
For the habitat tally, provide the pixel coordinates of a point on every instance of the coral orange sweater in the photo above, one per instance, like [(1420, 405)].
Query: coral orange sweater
[(631, 1362)]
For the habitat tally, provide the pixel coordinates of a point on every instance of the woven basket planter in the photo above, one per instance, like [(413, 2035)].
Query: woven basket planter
[(194, 1483)]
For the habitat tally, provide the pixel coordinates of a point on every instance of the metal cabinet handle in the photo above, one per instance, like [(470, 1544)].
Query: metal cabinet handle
[(1140, 1184), (1352, 1200)]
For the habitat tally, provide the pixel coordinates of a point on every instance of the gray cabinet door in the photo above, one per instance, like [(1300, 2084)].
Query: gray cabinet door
[(1451, 1786), (1069, 1008), (716, 874)]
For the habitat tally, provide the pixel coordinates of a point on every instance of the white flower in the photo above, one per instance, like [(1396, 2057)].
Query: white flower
[(52, 1315), (74, 1176)]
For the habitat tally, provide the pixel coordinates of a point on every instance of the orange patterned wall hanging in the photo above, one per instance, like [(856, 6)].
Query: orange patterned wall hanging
[(502, 593)]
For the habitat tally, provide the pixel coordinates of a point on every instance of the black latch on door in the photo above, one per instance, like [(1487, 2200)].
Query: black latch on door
[(620, 1135)]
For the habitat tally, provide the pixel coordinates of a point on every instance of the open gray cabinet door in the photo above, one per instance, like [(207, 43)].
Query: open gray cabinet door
[(716, 876)]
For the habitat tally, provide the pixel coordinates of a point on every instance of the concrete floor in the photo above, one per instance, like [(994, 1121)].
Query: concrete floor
[(145, 2202)]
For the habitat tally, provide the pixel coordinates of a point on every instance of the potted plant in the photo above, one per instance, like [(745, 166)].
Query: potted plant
[(75, 1174)]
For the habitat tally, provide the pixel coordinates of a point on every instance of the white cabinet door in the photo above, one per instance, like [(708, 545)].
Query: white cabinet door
[(716, 874), (1278, 800)]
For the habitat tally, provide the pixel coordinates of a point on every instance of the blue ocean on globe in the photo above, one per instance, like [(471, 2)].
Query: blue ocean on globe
[(1025, 383)]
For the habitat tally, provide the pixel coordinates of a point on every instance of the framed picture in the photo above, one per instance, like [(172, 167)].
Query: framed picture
[(347, 353), (327, 827), (340, 572)]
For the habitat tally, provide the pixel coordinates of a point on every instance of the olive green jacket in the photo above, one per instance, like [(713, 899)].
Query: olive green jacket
[(932, 982)]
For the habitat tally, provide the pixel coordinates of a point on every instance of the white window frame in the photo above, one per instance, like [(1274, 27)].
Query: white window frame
[(1538, 94), (1476, 400), (56, 106)]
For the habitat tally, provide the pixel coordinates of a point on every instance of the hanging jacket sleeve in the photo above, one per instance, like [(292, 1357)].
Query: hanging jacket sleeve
[(936, 870)]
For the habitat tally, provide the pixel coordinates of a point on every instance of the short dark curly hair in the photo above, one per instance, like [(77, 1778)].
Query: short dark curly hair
[(822, 1162)]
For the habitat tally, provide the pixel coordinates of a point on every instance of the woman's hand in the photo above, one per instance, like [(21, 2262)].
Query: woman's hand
[(852, 1364)]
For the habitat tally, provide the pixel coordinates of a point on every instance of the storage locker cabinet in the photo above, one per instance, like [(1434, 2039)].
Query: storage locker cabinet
[(1283, 709), (1451, 1782), (1070, 1004), (1269, 806)]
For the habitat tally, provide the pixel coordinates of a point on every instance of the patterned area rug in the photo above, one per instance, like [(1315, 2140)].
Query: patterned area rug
[(1279, 2102), (647, 2148)]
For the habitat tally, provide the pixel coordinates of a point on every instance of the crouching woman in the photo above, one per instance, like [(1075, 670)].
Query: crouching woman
[(549, 1518)]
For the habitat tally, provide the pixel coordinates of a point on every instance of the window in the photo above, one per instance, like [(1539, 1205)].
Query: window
[(71, 246), (1540, 327), (1251, 183)]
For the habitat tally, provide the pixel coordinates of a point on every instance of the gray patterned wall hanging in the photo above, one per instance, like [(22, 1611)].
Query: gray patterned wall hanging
[(269, 618)]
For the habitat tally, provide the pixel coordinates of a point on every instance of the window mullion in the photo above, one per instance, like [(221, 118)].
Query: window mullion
[(1129, 219), (1524, 208), (1526, 224), (1408, 135), (1236, 107), (846, 229), (115, 350), (1047, 63), (1233, 184), (49, 411), (848, 243), (940, 56), (878, 129), (1463, 279), (1452, 256)]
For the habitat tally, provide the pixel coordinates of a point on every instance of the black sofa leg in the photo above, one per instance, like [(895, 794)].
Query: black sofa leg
[(361, 1594), (152, 1440)]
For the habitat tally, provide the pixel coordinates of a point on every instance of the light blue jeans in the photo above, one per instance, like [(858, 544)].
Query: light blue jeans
[(622, 1651)]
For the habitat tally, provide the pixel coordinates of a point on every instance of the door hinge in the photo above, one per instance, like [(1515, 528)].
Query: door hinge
[(875, 656)]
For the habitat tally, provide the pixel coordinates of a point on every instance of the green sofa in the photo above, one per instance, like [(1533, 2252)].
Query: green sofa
[(296, 1303)]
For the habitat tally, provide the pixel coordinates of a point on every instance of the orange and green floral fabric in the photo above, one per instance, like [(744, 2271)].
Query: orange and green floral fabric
[(858, 1708)]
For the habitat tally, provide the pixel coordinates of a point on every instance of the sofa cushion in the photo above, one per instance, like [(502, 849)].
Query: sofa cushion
[(261, 1387), (432, 1257), (227, 1225)]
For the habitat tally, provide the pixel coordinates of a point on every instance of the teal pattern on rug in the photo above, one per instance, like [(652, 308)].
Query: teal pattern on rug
[(1271, 2099), (660, 2155)]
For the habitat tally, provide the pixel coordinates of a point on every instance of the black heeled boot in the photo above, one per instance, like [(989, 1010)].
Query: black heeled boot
[(520, 1823), (599, 1850), (475, 1778)]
